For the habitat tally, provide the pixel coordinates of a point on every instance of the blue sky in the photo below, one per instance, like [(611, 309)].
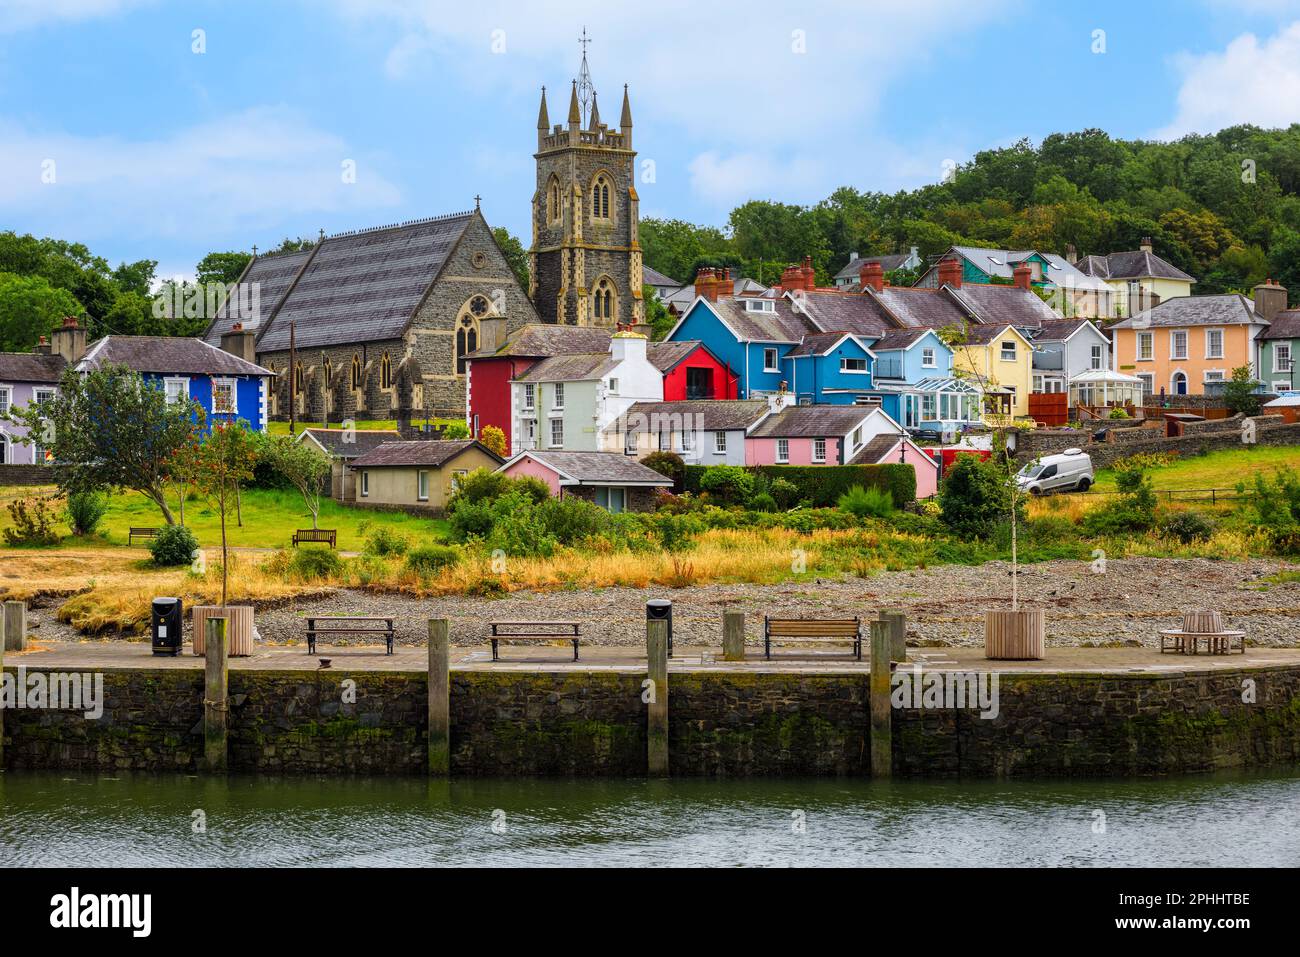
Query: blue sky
[(156, 150)]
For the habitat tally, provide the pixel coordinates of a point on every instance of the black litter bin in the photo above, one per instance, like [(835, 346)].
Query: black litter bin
[(168, 619), (661, 609)]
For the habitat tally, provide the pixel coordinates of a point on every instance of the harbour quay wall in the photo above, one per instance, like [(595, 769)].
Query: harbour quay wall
[(721, 723)]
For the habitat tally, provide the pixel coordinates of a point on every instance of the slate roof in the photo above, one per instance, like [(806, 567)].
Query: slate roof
[(1226, 310), (1136, 264), (654, 277), (599, 468), (812, 421), (430, 453), (364, 286), (1286, 325), (30, 367), (919, 306), (166, 355), (876, 449), (984, 333), (1058, 330), (1002, 304), (887, 263), (539, 340), (665, 355), (577, 368), (784, 324), (714, 415), (817, 343), (362, 440), (273, 274), (899, 339), (858, 314)]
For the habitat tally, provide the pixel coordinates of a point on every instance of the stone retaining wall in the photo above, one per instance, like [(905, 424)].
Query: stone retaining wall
[(720, 724), (12, 474), (1199, 438)]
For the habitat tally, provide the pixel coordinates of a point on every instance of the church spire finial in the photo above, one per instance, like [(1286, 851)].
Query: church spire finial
[(575, 113), (543, 118), (626, 121), (595, 113), (586, 91)]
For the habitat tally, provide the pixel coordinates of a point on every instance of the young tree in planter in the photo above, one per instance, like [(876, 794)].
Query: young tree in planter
[(224, 464), (109, 429), (304, 467)]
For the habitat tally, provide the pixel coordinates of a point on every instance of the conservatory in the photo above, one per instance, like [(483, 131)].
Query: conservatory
[(1102, 387)]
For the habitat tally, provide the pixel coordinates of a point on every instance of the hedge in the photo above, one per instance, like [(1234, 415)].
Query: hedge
[(822, 485)]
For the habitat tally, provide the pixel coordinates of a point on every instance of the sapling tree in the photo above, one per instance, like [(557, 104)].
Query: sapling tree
[(223, 464), (302, 466), (109, 429)]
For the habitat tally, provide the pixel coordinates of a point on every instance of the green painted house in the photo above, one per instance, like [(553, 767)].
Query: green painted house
[(1278, 346)]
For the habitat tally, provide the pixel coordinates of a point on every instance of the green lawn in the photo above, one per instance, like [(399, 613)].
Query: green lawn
[(270, 518), (282, 428), (1218, 470)]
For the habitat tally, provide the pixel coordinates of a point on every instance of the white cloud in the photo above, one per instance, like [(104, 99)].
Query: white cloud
[(16, 15), (1250, 81), (224, 178)]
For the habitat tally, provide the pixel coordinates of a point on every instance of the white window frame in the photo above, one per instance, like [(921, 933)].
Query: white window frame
[(558, 404), (1148, 383), (530, 397), (665, 440), (720, 442), (184, 390), (365, 484), (1278, 347), (783, 451), (775, 364), (929, 407), (630, 442), (819, 450), (1282, 385), (557, 423), (1097, 356), (1038, 383), (686, 439), (929, 357), (1149, 338), (613, 385), (855, 439), (422, 485), (1220, 373), (1002, 350), (234, 395), (1222, 341), (1173, 344), (847, 370), (8, 403)]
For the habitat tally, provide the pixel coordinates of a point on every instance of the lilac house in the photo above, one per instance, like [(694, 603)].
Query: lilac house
[(25, 377)]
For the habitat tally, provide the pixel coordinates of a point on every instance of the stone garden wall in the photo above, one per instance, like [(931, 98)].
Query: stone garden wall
[(720, 724)]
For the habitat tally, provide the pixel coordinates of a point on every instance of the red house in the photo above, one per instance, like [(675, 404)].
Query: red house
[(690, 370)]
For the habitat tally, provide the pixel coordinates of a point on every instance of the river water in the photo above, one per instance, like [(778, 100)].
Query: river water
[(61, 819)]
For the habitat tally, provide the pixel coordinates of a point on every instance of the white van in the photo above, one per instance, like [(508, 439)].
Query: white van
[(1070, 471)]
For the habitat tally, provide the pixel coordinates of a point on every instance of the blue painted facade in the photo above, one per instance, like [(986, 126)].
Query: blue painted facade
[(250, 396), (832, 378)]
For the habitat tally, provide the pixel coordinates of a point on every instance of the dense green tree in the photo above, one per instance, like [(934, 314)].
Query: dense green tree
[(221, 267), (515, 253), (29, 308)]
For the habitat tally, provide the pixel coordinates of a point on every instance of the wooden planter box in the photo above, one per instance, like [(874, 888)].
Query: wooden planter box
[(239, 628), (1015, 635)]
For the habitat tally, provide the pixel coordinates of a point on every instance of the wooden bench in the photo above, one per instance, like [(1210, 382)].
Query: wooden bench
[(328, 535), (812, 629), (349, 625), (535, 631), (145, 533)]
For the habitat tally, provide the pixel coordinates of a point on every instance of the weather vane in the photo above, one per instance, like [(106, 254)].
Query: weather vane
[(586, 91)]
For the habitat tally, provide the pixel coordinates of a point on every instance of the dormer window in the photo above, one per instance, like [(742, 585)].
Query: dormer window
[(760, 305)]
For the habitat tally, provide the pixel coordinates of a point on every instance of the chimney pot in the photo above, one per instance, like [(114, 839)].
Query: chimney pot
[(1023, 276), (1146, 246), (872, 274), (950, 272)]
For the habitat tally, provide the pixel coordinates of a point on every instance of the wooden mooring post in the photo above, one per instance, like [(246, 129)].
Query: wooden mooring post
[(439, 699), (733, 636), (897, 634), (216, 695), (881, 734), (655, 695), (15, 626)]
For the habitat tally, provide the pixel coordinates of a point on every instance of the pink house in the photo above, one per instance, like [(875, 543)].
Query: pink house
[(608, 479), (838, 435)]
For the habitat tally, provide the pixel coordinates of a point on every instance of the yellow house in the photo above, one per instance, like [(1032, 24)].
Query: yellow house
[(1140, 279), (419, 474), (1000, 360)]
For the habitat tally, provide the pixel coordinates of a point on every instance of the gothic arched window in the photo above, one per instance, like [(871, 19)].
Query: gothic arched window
[(600, 197), (329, 373), (299, 379), (553, 201), (603, 301), (467, 329), (356, 371), (385, 372)]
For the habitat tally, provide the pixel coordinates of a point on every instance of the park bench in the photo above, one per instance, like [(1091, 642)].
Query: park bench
[(812, 629), (327, 535), (335, 625), (535, 631), (145, 533)]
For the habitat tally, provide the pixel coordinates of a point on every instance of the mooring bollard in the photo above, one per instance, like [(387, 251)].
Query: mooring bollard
[(15, 626), (216, 694), (655, 695), (733, 636), (897, 634), (439, 698), (881, 734)]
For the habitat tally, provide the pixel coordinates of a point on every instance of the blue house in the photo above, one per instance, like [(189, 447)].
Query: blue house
[(917, 386), (226, 387), (829, 368)]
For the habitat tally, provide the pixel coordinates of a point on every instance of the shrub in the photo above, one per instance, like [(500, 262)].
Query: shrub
[(85, 511), (1119, 413), (572, 520), (675, 532), (454, 430), (866, 502), (729, 484), (1050, 529), (785, 493), (975, 497), (1188, 527), (428, 560), (469, 521), (310, 564), (517, 527), (763, 502), (173, 545), (667, 464), (33, 522), (1133, 511), (493, 438), (822, 485), (1239, 393), (384, 541)]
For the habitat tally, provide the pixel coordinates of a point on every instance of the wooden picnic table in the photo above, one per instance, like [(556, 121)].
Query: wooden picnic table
[(535, 631), (350, 625)]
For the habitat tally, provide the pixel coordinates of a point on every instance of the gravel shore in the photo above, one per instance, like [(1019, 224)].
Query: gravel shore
[(1127, 605)]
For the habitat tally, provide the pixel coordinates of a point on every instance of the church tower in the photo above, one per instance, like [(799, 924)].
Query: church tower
[(585, 260)]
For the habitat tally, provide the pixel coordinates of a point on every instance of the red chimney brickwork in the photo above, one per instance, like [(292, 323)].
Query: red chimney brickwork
[(872, 274), (1023, 276), (950, 272)]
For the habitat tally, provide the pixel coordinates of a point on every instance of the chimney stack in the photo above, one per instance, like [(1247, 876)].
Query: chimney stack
[(1145, 246), (69, 340), (872, 274), (792, 277), (1270, 299), (809, 274), (240, 342), (627, 345), (1071, 254), (706, 284), (42, 347), (491, 333), (950, 272), (1023, 276)]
